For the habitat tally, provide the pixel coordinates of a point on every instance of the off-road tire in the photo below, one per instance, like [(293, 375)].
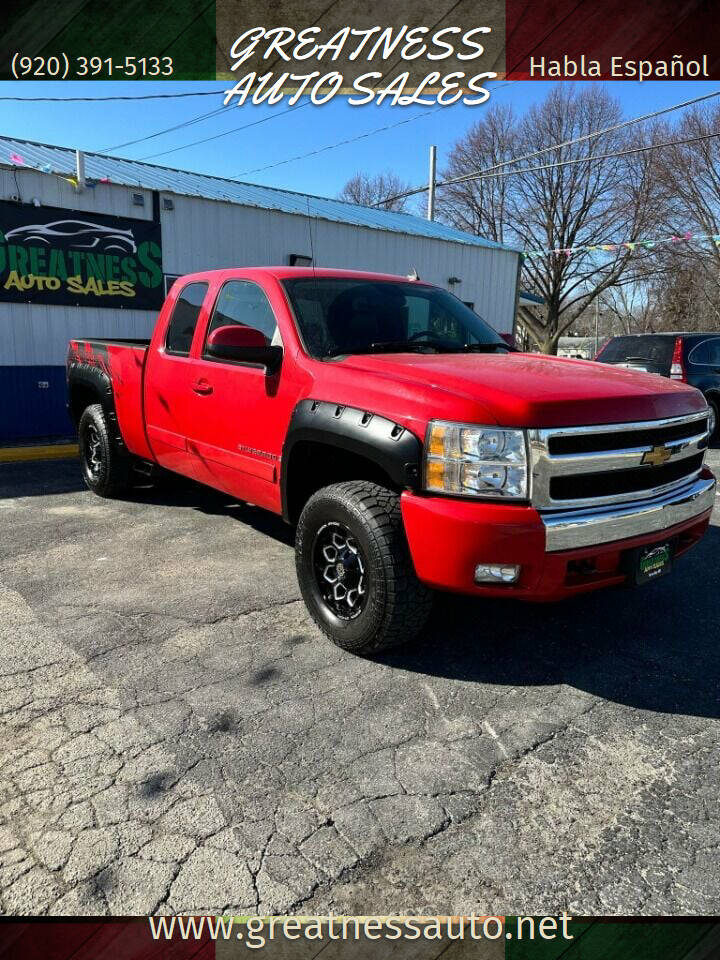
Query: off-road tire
[(106, 470), (395, 604)]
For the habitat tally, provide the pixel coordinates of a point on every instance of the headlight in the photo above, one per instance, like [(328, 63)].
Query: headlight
[(473, 461)]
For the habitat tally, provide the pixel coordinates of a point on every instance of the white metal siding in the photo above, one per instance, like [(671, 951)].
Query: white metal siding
[(203, 234), (38, 335)]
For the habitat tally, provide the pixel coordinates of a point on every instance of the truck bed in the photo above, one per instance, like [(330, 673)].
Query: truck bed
[(118, 364), (119, 341)]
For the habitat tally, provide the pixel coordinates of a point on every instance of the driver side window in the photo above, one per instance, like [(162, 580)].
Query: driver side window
[(243, 303)]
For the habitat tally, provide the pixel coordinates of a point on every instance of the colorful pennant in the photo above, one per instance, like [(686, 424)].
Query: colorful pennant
[(16, 160), (567, 252)]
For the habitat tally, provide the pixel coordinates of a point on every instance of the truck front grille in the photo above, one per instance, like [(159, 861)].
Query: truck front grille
[(647, 436), (583, 486), (612, 463)]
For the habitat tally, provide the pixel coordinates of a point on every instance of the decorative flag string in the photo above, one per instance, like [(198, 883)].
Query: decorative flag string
[(18, 161), (568, 252)]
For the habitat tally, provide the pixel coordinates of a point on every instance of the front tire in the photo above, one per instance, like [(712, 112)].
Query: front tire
[(106, 470), (355, 571)]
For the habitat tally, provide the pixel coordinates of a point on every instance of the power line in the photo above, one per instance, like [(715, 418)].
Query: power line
[(212, 113), (565, 163), (362, 136), (556, 146), (595, 133), (226, 133), (195, 143), (159, 133), (340, 143), (143, 96)]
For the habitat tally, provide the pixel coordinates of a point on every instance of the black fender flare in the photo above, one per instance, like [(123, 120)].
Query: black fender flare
[(391, 446), (95, 377)]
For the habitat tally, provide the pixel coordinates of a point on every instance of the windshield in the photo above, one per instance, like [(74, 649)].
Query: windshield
[(645, 350), (339, 315)]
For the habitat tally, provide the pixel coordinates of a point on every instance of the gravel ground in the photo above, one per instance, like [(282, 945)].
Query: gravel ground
[(178, 737)]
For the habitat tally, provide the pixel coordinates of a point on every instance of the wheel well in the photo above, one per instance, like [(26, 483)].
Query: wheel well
[(82, 395), (314, 465)]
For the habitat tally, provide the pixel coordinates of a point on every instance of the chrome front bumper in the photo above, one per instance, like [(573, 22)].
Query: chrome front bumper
[(569, 529)]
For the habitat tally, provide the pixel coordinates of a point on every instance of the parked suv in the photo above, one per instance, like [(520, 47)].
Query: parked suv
[(692, 358)]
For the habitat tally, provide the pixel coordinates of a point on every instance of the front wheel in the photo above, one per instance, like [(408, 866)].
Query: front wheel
[(355, 571), (106, 470)]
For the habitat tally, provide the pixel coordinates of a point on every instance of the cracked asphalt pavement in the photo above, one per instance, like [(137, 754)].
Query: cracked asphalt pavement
[(178, 737)]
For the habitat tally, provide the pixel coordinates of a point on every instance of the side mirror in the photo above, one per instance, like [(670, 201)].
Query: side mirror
[(243, 345)]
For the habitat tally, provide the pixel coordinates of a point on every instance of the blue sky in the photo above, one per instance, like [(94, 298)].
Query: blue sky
[(403, 149)]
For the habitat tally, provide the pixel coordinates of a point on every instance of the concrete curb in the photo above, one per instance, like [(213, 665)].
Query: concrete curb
[(55, 451)]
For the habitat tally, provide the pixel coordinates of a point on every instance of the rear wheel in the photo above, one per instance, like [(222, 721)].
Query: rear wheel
[(355, 571), (106, 470)]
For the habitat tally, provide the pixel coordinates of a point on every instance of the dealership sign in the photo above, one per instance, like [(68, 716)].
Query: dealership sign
[(48, 255)]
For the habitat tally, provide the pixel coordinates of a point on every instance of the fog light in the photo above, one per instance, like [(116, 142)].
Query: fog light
[(497, 573)]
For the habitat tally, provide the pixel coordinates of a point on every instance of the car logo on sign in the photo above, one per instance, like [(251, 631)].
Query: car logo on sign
[(657, 456)]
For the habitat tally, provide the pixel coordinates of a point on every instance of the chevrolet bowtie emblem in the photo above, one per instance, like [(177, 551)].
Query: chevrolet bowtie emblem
[(657, 456)]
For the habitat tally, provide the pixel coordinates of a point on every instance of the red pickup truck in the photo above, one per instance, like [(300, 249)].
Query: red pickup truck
[(410, 446)]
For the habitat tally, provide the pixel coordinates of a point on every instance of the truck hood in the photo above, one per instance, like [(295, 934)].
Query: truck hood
[(514, 389)]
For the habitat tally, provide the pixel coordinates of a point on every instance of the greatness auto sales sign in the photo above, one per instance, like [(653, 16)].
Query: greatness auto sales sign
[(76, 258)]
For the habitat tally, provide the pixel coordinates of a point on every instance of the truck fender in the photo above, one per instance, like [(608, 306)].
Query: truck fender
[(88, 377), (389, 445)]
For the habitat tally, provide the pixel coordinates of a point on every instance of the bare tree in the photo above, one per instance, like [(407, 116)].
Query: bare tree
[(686, 296), (690, 177), (556, 207), (378, 191), (633, 307)]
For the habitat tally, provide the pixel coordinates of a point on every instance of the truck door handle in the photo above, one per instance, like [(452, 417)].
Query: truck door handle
[(202, 387)]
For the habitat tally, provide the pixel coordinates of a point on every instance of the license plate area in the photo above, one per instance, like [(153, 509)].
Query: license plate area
[(651, 561)]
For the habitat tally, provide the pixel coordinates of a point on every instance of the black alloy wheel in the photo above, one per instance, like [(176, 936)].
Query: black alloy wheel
[(340, 571)]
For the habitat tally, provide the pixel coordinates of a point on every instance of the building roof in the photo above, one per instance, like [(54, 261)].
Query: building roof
[(135, 173)]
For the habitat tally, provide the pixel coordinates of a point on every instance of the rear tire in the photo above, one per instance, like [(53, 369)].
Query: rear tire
[(355, 571), (106, 470)]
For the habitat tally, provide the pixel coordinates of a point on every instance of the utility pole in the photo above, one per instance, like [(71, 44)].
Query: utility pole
[(597, 323), (80, 169), (431, 184)]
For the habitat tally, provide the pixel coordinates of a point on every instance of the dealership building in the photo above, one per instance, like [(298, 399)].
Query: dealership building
[(90, 244)]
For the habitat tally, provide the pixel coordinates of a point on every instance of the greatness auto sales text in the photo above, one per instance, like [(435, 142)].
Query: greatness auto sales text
[(371, 44)]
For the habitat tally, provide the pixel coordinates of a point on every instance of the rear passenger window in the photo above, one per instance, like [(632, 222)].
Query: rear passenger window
[(184, 318), (707, 352)]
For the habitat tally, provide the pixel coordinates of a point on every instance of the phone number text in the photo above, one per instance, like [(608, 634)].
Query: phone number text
[(61, 66)]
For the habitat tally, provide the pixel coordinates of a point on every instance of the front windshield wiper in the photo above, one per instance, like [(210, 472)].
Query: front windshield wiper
[(485, 347), (420, 346), (636, 360), (392, 346)]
